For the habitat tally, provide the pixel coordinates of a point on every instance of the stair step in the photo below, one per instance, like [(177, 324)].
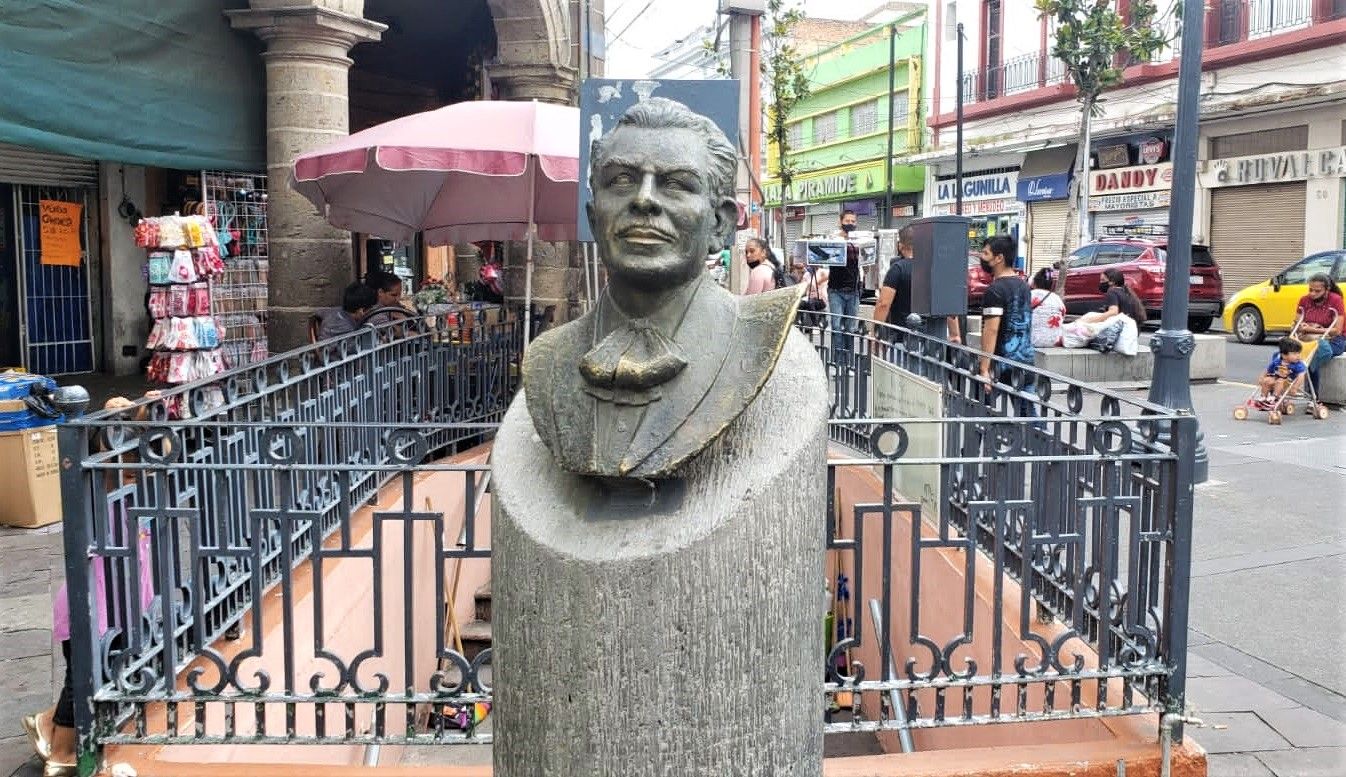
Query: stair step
[(483, 603), (476, 638)]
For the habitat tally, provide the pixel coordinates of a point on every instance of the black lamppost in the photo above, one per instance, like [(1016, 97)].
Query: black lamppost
[(1173, 344)]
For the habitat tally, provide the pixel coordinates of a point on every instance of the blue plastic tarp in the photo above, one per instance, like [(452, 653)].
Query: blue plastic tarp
[(150, 82)]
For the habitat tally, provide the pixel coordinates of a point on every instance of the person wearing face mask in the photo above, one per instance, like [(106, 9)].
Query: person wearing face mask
[(1324, 316), (1118, 298), (843, 292), (1007, 311), (761, 273)]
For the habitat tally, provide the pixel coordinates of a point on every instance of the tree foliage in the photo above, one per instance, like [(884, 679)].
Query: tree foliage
[(1095, 43), (787, 83)]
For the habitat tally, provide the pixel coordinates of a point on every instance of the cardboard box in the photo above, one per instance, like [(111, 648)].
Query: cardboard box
[(30, 477)]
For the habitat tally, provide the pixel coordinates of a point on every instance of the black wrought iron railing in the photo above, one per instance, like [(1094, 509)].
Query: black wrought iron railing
[(213, 561), (1067, 507)]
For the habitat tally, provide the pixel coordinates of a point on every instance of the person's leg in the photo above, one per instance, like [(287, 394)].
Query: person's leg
[(1265, 385), (836, 307)]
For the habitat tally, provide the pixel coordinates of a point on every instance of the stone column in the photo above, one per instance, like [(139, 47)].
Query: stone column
[(307, 106), (679, 637)]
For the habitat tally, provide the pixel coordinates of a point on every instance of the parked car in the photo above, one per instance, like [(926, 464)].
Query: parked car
[(1270, 306), (1141, 260)]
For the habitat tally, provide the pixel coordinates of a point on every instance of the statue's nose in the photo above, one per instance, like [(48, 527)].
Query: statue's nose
[(644, 199)]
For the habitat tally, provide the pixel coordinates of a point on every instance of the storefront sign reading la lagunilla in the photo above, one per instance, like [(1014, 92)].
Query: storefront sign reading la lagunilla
[(977, 187)]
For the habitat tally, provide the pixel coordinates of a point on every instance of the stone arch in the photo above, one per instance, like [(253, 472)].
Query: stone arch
[(535, 51)]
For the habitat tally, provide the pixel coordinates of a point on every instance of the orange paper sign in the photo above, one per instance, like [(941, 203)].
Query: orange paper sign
[(60, 232)]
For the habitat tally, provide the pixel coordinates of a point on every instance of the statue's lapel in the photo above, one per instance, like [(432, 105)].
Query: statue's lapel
[(725, 373)]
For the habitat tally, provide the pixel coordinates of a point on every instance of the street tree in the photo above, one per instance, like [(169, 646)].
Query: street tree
[(1095, 43), (786, 81)]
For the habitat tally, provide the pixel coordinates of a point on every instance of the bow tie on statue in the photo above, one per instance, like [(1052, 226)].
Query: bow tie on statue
[(631, 361)]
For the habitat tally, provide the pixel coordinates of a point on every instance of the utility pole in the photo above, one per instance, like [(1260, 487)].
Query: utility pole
[(742, 14), (958, 128), (888, 165), (1173, 343)]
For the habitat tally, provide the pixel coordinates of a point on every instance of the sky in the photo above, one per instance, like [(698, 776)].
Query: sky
[(636, 29)]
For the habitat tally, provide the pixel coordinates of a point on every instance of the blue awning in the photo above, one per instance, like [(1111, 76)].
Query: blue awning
[(1044, 187), (1045, 174), (168, 84)]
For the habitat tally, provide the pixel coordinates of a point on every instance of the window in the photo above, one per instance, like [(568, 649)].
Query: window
[(794, 134), (1340, 275), (1081, 258), (824, 128), (992, 53), (901, 109), (1307, 268), (864, 118), (1117, 253)]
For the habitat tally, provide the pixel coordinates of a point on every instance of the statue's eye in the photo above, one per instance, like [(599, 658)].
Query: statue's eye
[(622, 179)]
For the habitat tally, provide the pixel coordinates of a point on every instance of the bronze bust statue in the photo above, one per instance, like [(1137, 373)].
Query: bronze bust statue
[(666, 359)]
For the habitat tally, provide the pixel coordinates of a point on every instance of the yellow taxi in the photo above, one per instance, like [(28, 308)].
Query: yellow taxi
[(1270, 306)]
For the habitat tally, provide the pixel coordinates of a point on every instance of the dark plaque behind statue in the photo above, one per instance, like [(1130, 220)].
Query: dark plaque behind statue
[(659, 497)]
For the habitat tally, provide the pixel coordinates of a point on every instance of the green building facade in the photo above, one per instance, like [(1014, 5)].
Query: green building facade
[(839, 135)]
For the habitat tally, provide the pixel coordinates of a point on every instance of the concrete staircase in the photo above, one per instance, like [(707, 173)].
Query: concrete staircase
[(476, 633)]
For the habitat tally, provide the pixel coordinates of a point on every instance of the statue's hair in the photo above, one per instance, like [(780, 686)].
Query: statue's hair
[(662, 113)]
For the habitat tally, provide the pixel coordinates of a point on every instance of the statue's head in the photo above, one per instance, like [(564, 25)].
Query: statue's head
[(663, 183)]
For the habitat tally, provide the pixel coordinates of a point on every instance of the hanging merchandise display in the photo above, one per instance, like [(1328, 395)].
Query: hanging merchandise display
[(183, 257), (236, 206)]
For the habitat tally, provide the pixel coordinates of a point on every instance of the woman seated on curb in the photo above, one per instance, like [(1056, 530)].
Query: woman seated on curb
[(1117, 298), (1049, 311)]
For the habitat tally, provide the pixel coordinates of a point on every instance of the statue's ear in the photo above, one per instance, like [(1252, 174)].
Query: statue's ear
[(726, 222)]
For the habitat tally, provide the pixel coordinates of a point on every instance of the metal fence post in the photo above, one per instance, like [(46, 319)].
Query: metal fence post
[(73, 442), (1178, 571)]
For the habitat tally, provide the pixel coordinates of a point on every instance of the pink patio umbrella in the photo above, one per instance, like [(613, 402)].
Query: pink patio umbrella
[(461, 173)]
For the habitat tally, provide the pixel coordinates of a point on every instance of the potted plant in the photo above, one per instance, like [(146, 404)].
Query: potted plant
[(434, 298)]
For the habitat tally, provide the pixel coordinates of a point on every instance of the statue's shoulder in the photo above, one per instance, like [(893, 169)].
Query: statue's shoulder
[(546, 354), (774, 309)]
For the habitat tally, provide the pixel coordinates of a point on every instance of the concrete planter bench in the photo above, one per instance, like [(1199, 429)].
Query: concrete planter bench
[(1090, 366), (1332, 382)]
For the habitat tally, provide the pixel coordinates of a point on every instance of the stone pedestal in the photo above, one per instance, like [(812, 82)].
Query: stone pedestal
[(307, 106), (683, 637)]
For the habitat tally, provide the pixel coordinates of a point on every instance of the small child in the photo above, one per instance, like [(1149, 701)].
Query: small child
[(356, 302), (1285, 372)]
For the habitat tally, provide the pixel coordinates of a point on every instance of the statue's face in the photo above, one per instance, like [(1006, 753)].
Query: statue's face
[(652, 212)]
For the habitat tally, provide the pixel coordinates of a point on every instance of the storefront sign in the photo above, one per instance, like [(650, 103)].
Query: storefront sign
[(851, 184), (980, 207), (904, 211), (1142, 178), (977, 187), (59, 232), (1275, 168), (1152, 150), (1132, 201), (1114, 156), (1044, 187)]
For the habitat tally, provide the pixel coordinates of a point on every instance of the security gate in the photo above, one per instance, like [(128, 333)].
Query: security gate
[(55, 314)]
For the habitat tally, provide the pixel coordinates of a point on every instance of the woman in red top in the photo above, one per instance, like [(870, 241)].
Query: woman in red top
[(1324, 316)]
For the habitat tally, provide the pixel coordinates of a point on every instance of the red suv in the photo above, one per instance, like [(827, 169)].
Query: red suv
[(1141, 260)]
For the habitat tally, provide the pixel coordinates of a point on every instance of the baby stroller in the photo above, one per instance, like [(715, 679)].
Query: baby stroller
[(1280, 402)]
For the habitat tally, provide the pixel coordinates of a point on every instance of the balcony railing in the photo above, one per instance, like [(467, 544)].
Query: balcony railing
[(1071, 503), (1020, 74), (1234, 21)]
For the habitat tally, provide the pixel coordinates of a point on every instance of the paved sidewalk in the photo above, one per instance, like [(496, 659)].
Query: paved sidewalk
[(31, 569), (1268, 616)]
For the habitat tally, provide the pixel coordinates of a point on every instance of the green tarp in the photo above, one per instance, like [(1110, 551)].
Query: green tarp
[(166, 83)]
